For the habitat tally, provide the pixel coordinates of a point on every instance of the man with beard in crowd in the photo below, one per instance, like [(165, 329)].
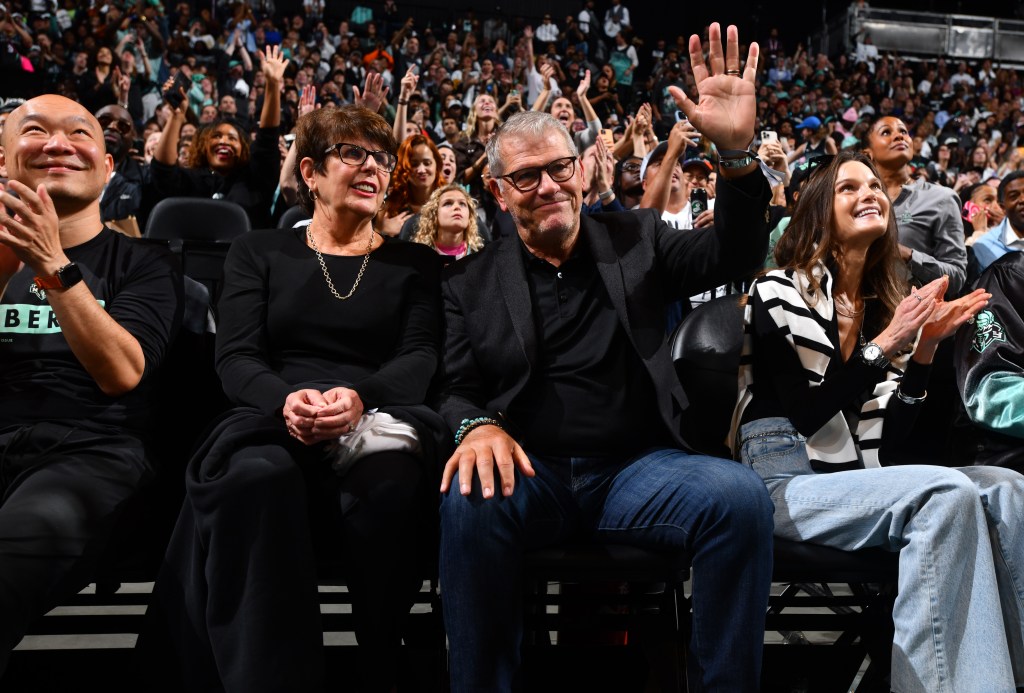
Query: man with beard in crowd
[(122, 196), (628, 187)]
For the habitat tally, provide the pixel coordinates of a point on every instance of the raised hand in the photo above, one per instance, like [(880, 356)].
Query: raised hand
[(122, 82), (183, 104), (771, 153), (726, 107), (374, 92), (646, 112), (409, 82), (273, 63), (392, 226), (605, 172), (584, 85), (307, 100), (682, 135)]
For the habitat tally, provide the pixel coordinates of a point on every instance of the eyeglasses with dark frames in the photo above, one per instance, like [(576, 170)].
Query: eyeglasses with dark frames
[(354, 155), (632, 167), (109, 121), (527, 179)]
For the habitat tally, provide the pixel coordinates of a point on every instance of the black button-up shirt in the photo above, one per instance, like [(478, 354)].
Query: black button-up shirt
[(590, 394)]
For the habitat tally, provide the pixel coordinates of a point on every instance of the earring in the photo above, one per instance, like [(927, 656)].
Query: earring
[(312, 194)]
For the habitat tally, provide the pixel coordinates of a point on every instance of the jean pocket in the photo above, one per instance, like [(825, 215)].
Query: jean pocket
[(775, 452)]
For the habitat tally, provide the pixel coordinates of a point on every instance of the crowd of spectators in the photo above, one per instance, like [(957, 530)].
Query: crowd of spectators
[(589, 68), (236, 101)]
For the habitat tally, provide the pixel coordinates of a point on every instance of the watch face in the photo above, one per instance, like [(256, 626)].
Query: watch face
[(872, 352), (69, 275)]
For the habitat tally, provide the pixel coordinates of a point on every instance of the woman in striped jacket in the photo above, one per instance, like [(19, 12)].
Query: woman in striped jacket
[(831, 377)]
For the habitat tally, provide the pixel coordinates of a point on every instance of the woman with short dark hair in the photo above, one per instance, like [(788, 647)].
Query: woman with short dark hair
[(327, 344)]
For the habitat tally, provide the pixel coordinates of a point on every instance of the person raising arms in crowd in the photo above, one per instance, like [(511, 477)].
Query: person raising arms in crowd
[(222, 163), (583, 420)]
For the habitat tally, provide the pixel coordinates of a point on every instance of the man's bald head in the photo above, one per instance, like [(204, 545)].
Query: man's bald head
[(53, 141)]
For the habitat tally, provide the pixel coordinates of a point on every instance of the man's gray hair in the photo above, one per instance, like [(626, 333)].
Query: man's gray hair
[(526, 125)]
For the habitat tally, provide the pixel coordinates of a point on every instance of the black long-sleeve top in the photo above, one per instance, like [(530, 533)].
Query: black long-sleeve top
[(281, 328), (782, 387), (252, 186)]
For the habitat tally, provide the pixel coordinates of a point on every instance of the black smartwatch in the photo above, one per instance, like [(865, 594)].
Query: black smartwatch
[(873, 355), (64, 278)]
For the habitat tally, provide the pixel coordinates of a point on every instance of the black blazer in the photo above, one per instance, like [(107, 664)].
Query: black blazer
[(490, 338)]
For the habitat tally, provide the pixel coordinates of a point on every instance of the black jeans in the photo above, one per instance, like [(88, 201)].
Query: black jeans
[(62, 487)]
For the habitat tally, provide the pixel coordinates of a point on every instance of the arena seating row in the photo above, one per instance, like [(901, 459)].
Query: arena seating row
[(635, 598)]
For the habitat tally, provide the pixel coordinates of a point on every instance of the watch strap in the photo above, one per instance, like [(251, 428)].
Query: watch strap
[(736, 158), (64, 278), (881, 361)]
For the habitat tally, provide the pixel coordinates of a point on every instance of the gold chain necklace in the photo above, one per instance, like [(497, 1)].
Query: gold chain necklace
[(852, 314), (327, 275)]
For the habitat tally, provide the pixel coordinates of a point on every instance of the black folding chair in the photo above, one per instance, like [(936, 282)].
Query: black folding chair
[(823, 590)]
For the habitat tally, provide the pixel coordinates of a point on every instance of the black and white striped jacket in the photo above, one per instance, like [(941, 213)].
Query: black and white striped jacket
[(803, 318)]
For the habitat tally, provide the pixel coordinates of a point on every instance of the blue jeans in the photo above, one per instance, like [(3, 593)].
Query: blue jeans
[(960, 608), (713, 511)]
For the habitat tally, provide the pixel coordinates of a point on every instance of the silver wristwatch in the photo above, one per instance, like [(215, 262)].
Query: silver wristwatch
[(873, 355)]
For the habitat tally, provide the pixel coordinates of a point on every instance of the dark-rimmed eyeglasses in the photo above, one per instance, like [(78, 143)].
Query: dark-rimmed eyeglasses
[(526, 179), (632, 167), (122, 126), (354, 155)]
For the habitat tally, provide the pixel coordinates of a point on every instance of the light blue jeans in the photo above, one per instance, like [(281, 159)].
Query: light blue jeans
[(960, 608)]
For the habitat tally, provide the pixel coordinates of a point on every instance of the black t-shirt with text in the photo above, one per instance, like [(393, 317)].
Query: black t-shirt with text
[(138, 284)]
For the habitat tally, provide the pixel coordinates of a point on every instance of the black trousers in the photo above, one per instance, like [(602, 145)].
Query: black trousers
[(62, 488), (239, 583)]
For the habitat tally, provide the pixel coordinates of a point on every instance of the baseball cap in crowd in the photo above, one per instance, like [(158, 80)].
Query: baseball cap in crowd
[(867, 110), (698, 162), (850, 115), (810, 122), (953, 141), (655, 155)]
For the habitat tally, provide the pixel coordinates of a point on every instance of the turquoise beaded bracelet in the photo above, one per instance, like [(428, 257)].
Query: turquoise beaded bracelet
[(468, 425)]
